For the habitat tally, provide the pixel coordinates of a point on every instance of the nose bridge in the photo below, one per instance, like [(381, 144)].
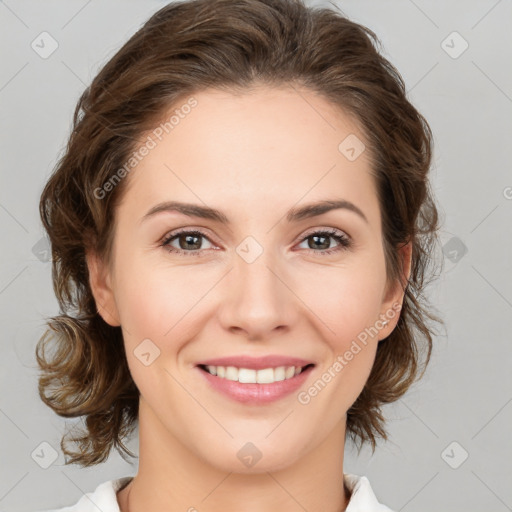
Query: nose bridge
[(257, 298)]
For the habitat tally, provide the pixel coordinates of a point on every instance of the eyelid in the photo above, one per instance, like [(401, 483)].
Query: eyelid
[(300, 238), (344, 240), (203, 231), (327, 229)]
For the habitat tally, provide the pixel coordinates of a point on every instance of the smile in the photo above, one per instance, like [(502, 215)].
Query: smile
[(252, 376), (251, 386)]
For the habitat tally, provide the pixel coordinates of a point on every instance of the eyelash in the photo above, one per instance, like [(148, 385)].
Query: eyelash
[(344, 241)]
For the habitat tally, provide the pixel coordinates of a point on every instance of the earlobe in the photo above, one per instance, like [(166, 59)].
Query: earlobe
[(100, 283)]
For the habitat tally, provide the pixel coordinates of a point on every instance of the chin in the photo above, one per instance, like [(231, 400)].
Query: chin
[(246, 457)]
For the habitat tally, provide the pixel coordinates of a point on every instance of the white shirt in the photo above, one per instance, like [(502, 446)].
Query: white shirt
[(104, 497)]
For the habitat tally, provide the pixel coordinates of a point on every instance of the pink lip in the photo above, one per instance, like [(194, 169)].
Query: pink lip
[(257, 394), (256, 363)]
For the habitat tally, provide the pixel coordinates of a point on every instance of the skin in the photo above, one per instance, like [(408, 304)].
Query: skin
[(253, 156)]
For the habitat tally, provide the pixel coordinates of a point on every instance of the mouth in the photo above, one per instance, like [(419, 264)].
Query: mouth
[(261, 383), (268, 375)]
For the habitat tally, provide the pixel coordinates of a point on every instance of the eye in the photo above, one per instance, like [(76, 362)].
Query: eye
[(322, 240), (189, 242)]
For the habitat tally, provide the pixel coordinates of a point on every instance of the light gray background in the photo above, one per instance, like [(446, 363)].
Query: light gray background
[(466, 394)]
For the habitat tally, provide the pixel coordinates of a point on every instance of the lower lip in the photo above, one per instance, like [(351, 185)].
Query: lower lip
[(256, 393)]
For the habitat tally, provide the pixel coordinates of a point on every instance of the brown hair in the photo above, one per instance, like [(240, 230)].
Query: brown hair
[(183, 48)]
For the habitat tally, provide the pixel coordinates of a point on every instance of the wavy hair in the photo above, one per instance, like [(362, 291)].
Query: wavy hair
[(186, 47)]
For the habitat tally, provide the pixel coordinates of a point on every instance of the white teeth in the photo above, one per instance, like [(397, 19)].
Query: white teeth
[(279, 373), (231, 373), (246, 375), (290, 372), (250, 376), (265, 376)]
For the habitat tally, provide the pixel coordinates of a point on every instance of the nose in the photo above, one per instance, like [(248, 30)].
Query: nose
[(258, 299)]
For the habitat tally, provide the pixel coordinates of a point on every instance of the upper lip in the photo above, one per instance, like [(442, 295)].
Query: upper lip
[(256, 363)]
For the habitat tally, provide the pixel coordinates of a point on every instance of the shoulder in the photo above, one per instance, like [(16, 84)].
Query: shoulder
[(362, 498), (103, 498)]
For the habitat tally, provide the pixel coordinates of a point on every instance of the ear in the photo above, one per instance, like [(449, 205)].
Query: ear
[(100, 283), (394, 296)]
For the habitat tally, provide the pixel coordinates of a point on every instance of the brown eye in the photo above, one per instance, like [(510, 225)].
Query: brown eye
[(320, 241), (189, 242)]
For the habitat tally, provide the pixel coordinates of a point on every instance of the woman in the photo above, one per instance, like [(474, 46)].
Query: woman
[(241, 228)]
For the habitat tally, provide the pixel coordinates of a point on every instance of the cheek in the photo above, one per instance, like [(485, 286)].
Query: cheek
[(151, 296), (346, 303), (153, 313), (139, 303), (345, 300), (160, 302)]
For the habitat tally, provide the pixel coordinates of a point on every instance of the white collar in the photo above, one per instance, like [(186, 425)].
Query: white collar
[(363, 498), (104, 497)]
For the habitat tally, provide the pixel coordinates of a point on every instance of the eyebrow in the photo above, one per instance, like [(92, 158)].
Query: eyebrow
[(293, 215)]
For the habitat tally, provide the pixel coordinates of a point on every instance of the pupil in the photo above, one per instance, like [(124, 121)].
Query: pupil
[(189, 240), (316, 237)]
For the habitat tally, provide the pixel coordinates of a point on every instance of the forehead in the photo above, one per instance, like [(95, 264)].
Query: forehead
[(261, 148)]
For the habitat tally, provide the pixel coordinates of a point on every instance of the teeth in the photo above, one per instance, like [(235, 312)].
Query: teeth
[(265, 376), (279, 373), (231, 373), (249, 376), (246, 376)]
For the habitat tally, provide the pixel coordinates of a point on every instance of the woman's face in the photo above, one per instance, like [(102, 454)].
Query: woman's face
[(262, 279)]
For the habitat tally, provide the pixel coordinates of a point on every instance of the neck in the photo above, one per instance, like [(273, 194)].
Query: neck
[(173, 478)]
